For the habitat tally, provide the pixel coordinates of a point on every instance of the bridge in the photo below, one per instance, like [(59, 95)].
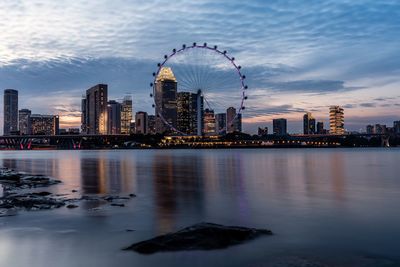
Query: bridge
[(27, 142), (83, 141)]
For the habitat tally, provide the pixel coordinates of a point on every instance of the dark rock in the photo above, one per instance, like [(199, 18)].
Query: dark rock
[(202, 236), (117, 204), (72, 206), (42, 194), (130, 230), (112, 198), (74, 191), (132, 195), (30, 202)]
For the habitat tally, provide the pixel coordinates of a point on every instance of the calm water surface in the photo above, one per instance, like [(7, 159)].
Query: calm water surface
[(334, 207)]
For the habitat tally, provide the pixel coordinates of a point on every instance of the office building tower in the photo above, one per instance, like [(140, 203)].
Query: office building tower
[(132, 128), (209, 122), (83, 115), (233, 121), (220, 123), (44, 124), (96, 109), (396, 127), (114, 117), (24, 121), (262, 131), (165, 100), (279, 126), (369, 129), (190, 112), (336, 120), (380, 129), (142, 123), (126, 114), (320, 128), (10, 111), (151, 121), (308, 123)]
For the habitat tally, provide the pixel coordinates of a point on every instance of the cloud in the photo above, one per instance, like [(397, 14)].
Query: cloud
[(367, 105)]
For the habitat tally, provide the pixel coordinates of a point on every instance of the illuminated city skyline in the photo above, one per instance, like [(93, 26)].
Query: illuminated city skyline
[(291, 68)]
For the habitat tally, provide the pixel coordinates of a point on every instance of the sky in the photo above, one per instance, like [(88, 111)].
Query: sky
[(297, 56)]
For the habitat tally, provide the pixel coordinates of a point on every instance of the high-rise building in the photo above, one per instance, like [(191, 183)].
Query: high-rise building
[(142, 123), (44, 124), (165, 100), (209, 122), (233, 121), (190, 112), (262, 131), (10, 111), (151, 119), (336, 120), (380, 129), (126, 114), (320, 128), (369, 129), (83, 114), (96, 109), (279, 126), (308, 123), (396, 127), (220, 123), (24, 121), (114, 117)]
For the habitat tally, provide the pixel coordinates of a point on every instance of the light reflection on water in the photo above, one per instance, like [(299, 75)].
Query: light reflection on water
[(337, 200)]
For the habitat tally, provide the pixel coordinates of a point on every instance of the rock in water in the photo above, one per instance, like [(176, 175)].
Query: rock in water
[(202, 236)]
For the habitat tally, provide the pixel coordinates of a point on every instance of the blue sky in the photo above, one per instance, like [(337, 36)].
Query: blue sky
[(298, 55)]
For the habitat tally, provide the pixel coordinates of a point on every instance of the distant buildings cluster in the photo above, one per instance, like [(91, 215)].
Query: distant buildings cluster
[(102, 116), (310, 125), (23, 122), (383, 129)]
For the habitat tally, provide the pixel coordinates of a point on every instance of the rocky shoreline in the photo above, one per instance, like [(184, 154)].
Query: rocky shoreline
[(20, 193)]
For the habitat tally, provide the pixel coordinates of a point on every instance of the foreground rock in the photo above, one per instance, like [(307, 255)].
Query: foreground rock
[(202, 236), (12, 180), (19, 194), (30, 201)]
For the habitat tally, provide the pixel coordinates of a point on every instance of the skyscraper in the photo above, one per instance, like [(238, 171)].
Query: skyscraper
[(83, 115), (10, 111), (44, 124), (190, 112), (308, 123), (396, 127), (126, 114), (233, 121), (113, 117), (209, 122), (96, 109), (142, 123), (151, 124), (336, 120), (24, 121), (279, 126), (220, 123), (320, 128), (369, 129), (165, 100)]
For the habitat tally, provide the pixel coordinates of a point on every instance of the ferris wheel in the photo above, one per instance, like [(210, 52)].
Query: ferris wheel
[(207, 72)]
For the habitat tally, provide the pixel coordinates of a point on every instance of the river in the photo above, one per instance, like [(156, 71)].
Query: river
[(327, 207)]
